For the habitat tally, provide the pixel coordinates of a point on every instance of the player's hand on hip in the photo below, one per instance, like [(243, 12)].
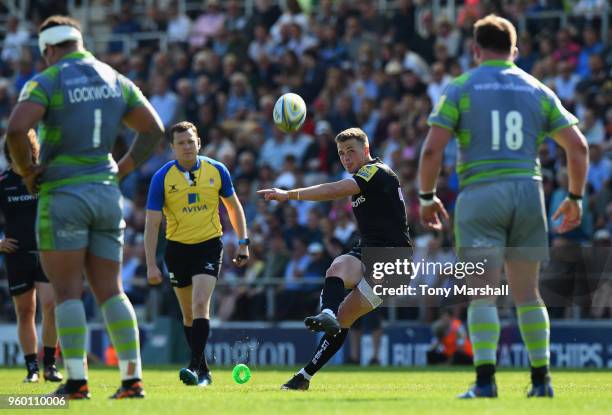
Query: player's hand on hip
[(154, 276), (31, 178), (274, 194), (571, 211), (9, 245), (431, 214), (242, 257)]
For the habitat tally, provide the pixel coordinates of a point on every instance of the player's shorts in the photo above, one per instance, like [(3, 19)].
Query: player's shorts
[(82, 216), (505, 219), (186, 260), (23, 269)]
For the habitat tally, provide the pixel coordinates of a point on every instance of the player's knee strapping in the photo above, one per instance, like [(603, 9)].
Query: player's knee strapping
[(71, 324), (122, 326), (483, 325), (535, 330)]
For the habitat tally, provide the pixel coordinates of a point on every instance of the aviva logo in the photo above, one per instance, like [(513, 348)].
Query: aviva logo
[(193, 198)]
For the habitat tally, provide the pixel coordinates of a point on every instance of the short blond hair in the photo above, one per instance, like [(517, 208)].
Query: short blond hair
[(356, 133)]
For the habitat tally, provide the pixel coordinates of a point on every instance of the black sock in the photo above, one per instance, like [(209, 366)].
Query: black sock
[(187, 330), (199, 337), (49, 356), (485, 374), (75, 384), (539, 375), (333, 294), (31, 363), (129, 382), (327, 348)]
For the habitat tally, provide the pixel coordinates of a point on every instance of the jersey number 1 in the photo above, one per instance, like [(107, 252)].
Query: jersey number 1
[(514, 130), (97, 127)]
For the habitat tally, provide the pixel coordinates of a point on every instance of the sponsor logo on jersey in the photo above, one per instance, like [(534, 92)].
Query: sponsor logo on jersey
[(367, 172), (21, 198), (91, 93), (193, 198), (27, 89), (173, 188), (361, 199)]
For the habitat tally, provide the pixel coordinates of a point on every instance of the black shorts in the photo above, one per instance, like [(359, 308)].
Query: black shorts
[(23, 271), (186, 260)]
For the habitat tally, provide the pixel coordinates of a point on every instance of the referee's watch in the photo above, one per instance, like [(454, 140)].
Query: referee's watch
[(245, 242), (574, 197)]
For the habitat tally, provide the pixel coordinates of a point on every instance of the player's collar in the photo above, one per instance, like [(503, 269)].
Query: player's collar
[(81, 54), (498, 63), (194, 168)]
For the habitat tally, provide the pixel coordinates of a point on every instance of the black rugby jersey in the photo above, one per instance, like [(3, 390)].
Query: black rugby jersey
[(379, 208), (19, 210)]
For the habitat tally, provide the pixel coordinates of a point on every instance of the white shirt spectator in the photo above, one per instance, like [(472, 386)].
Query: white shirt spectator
[(415, 63), (435, 90), (565, 87), (178, 28), (166, 106), (13, 42)]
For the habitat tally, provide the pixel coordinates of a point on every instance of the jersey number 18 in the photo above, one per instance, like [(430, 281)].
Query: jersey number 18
[(514, 131)]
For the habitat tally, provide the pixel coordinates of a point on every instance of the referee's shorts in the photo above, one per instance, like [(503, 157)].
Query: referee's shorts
[(186, 260)]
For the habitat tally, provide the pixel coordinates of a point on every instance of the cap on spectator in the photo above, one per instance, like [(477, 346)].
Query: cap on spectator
[(315, 248), (322, 127), (393, 68), (601, 235)]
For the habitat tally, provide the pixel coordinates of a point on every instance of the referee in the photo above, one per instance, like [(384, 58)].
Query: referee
[(25, 275), (187, 192)]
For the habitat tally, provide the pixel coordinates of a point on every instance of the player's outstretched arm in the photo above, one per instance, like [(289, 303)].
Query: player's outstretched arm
[(318, 193), (577, 155), (236, 216), (151, 234), (146, 122)]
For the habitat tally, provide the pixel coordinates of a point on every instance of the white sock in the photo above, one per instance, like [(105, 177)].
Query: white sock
[(328, 311), (76, 368), (306, 375), (130, 369)]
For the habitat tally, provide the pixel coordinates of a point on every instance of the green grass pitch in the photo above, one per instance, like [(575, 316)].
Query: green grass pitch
[(341, 390)]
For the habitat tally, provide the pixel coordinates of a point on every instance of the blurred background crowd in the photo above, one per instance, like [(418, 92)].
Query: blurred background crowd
[(378, 65)]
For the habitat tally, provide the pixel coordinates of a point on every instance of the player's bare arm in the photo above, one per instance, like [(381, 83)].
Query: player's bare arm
[(151, 234), (318, 193), (145, 121), (577, 154), (432, 154), (24, 117), (236, 216)]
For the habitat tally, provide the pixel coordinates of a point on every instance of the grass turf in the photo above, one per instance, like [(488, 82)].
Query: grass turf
[(342, 390)]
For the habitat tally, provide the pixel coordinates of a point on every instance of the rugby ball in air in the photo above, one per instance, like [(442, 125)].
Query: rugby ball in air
[(289, 112)]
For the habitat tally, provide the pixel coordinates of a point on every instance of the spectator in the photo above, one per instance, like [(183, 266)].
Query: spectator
[(592, 46), (164, 101), (15, 39), (179, 25), (207, 25)]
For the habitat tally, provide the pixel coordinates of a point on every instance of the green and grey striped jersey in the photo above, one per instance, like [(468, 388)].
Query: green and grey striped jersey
[(500, 116), (85, 101)]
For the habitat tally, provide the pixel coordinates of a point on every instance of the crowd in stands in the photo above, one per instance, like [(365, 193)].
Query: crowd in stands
[(354, 65)]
